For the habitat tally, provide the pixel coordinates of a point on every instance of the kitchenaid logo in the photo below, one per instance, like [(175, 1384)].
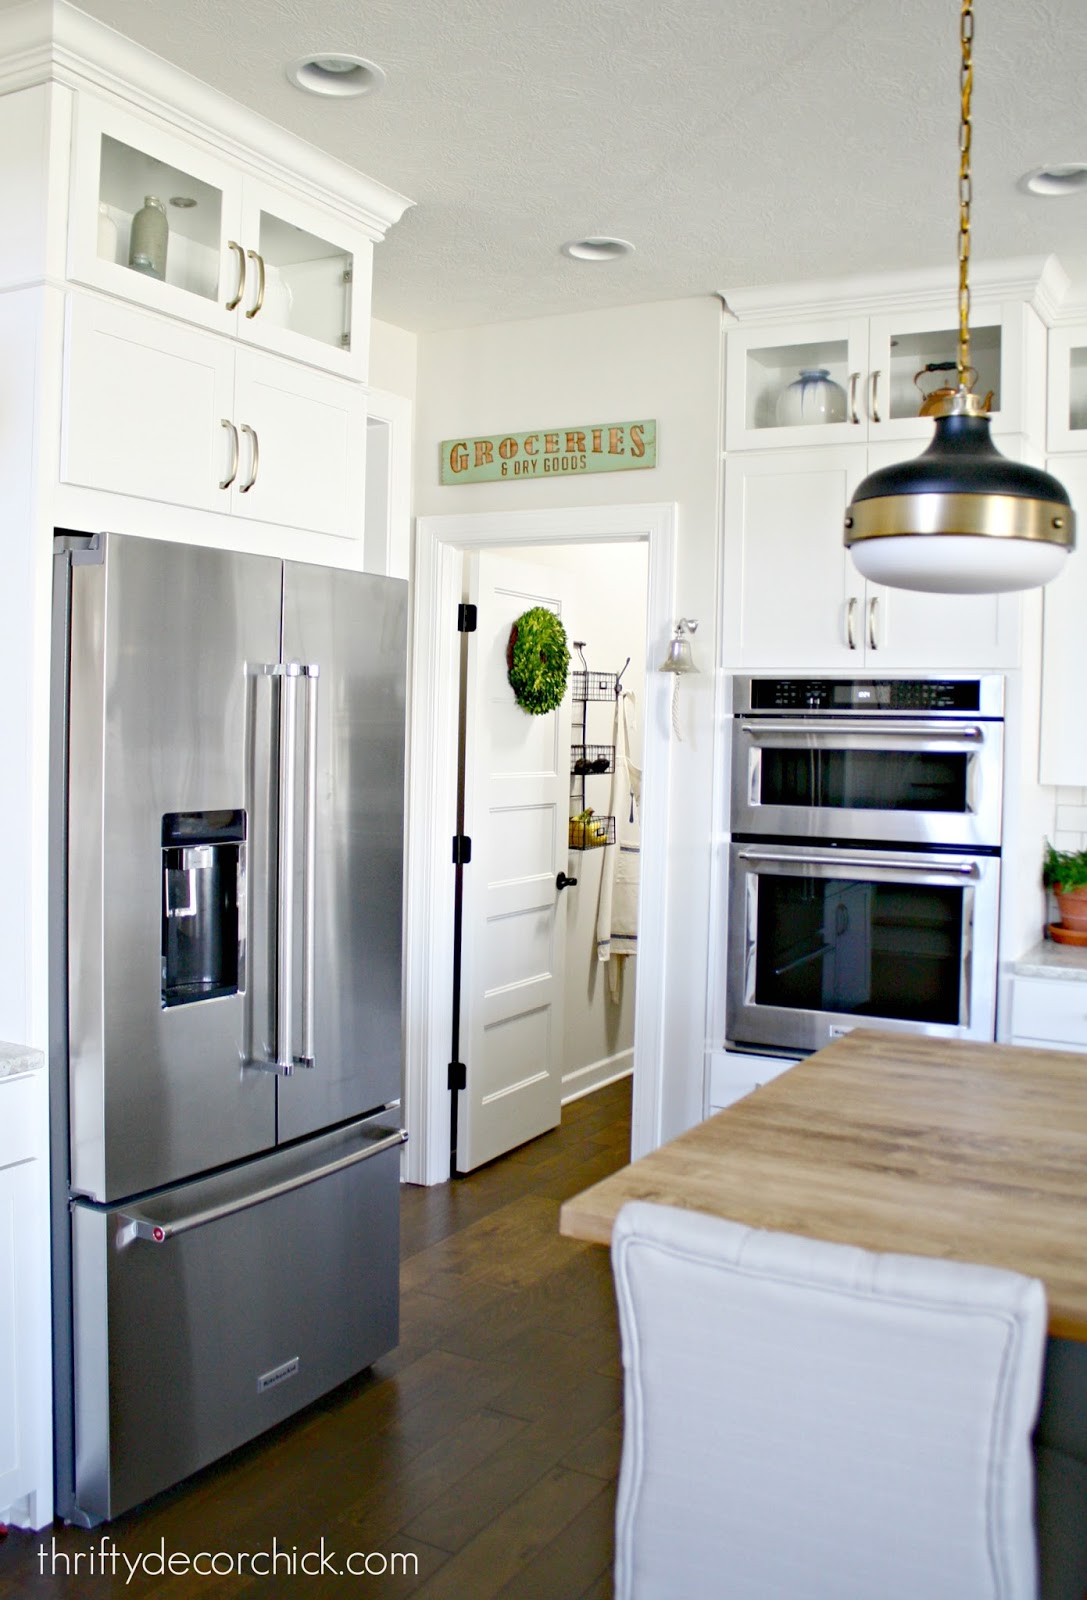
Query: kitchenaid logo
[(551, 452), (268, 1380)]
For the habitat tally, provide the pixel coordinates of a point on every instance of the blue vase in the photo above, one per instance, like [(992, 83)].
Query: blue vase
[(813, 397)]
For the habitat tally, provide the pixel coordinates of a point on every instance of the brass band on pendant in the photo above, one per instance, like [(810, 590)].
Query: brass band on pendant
[(995, 516)]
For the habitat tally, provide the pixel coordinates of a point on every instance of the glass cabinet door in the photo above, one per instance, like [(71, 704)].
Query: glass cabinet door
[(305, 276), (914, 354), (151, 218), (798, 386), (1067, 389)]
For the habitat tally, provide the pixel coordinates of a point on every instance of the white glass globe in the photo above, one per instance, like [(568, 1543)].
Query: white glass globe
[(953, 563)]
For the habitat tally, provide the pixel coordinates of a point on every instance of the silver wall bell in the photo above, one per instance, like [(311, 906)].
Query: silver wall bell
[(679, 658)]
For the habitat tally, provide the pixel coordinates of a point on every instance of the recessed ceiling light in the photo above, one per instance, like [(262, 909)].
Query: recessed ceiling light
[(1067, 178), (597, 248), (330, 72)]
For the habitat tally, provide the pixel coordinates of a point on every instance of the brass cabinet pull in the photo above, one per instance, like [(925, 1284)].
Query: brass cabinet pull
[(232, 305), (873, 406), (224, 483), (854, 379), (244, 488), (259, 301), (851, 623), (873, 642)]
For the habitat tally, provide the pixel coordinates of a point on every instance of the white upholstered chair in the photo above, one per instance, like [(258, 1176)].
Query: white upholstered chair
[(809, 1421)]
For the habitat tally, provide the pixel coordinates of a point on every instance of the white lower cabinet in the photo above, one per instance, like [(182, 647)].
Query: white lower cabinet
[(1051, 1012), (795, 602), (23, 1265), (164, 411), (735, 1073)]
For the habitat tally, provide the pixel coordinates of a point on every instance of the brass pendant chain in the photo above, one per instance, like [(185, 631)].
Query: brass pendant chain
[(966, 84)]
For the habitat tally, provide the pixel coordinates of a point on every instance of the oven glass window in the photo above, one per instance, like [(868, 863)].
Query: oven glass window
[(865, 780), (869, 949)]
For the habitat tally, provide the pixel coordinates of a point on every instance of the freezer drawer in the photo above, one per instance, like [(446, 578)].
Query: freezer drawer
[(213, 1310)]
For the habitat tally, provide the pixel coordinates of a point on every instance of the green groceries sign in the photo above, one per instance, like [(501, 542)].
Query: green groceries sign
[(551, 453)]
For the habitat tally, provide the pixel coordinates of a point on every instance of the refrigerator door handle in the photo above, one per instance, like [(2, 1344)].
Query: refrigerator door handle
[(290, 672), (139, 1221), (311, 673)]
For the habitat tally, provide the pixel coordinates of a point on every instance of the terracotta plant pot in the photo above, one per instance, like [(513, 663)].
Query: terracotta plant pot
[(1072, 904)]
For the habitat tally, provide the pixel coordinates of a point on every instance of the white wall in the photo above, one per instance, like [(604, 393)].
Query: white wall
[(660, 361), (607, 610), (394, 354)]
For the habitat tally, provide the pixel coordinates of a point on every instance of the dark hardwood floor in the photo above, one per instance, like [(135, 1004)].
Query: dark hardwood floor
[(486, 1445)]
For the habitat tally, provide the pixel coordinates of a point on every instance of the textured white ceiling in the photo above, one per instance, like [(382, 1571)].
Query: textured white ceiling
[(733, 143)]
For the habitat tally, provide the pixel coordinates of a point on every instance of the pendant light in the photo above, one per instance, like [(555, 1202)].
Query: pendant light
[(960, 518)]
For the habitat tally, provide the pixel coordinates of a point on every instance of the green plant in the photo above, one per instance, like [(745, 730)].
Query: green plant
[(1064, 869), (537, 657)]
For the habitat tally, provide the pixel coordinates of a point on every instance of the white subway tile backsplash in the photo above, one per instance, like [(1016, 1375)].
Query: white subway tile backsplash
[(1067, 841), (1071, 819)]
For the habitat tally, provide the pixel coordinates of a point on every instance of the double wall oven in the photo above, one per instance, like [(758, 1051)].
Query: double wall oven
[(864, 859)]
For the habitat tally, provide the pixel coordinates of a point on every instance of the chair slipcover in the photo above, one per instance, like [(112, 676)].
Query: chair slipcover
[(810, 1421)]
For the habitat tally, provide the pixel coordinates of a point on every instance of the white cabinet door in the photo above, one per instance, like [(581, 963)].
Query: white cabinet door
[(118, 160), (1067, 408), (762, 363), (902, 346), (307, 282), (17, 1267), (1064, 649), (303, 446), (144, 403), (793, 600)]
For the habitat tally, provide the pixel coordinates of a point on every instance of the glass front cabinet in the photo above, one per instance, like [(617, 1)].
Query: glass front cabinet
[(864, 379), (169, 224), (1067, 411)]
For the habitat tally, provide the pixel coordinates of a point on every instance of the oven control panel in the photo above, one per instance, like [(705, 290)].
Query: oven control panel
[(979, 696)]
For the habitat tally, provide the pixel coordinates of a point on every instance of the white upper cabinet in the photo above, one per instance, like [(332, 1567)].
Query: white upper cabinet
[(794, 601), (1067, 409), (875, 348), (242, 257)]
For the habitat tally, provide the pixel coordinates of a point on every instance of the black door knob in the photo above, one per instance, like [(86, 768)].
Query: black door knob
[(563, 882)]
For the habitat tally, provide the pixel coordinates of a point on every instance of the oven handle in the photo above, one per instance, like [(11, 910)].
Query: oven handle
[(762, 732), (960, 869)]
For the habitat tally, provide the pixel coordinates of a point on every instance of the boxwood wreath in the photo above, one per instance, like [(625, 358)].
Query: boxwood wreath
[(537, 657)]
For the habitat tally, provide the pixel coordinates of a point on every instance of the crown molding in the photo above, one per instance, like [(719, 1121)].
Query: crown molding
[(50, 40), (1041, 281)]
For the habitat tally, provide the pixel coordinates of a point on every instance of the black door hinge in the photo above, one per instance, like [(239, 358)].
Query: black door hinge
[(467, 618), (458, 1075), (462, 849)]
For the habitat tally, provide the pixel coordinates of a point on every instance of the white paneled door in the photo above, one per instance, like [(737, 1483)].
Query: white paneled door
[(513, 929)]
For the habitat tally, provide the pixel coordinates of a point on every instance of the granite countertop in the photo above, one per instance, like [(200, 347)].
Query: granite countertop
[(1047, 959), (15, 1059)]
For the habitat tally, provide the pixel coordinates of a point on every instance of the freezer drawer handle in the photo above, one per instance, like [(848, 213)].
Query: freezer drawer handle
[(138, 1225)]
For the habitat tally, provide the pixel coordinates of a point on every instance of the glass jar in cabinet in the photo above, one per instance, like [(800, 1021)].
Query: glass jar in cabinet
[(242, 257)]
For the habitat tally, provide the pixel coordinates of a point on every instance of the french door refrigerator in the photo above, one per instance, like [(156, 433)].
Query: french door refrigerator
[(228, 746)]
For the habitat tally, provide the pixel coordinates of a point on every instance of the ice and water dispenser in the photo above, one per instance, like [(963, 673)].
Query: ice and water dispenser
[(203, 905)]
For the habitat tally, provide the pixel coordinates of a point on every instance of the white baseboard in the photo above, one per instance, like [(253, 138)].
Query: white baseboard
[(585, 1080)]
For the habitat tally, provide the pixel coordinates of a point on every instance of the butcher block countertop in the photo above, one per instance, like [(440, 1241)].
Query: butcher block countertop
[(931, 1147)]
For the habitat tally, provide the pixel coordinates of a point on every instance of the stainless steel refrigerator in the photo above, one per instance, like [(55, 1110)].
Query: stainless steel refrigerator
[(227, 849)]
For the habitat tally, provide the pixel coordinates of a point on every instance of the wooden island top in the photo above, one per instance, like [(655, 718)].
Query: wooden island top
[(931, 1147)]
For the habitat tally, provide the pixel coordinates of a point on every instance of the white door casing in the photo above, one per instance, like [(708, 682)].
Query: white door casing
[(432, 795), (513, 936)]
